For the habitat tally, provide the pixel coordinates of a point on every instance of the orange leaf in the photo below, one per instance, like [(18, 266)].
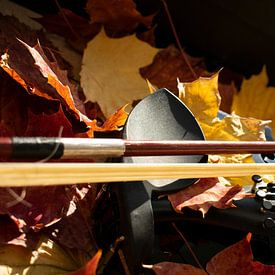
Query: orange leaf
[(170, 268), (114, 121), (51, 125), (119, 17), (90, 267), (241, 261), (64, 91), (206, 193), (13, 74), (168, 65)]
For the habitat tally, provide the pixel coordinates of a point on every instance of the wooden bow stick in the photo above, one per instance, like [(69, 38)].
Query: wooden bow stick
[(84, 148), (41, 174)]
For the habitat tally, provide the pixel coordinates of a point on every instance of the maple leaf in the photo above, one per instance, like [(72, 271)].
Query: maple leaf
[(45, 258), (119, 18), (63, 91), (202, 97), (74, 231), (38, 207), (206, 193), (76, 29), (114, 121), (236, 259), (90, 267), (8, 229), (168, 65), (110, 71), (51, 125), (241, 261), (170, 268), (255, 99)]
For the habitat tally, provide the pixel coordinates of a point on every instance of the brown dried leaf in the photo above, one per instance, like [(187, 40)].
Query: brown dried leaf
[(90, 267), (236, 259), (206, 193), (256, 99), (118, 17), (241, 261), (64, 91), (168, 65), (170, 268), (46, 258), (78, 31), (74, 231), (114, 121), (38, 207), (51, 125), (110, 71)]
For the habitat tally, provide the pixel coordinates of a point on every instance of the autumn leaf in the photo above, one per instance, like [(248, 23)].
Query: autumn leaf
[(110, 71), (256, 99), (65, 92), (114, 121), (202, 97), (74, 231), (206, 193), (170, 268), (233, 127), (52, 124), (38, 207), (46, 258), (9, 230), (241, 261), (58, 79), (77, 33), (168, 65), (119, 18), (236, 259), (90, 267)]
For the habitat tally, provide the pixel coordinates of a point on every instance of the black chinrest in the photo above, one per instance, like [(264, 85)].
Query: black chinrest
[(163, 116)]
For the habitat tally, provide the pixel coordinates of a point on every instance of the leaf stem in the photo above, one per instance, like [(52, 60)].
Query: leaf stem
[(66, 19), (185, 57), (188, 246)]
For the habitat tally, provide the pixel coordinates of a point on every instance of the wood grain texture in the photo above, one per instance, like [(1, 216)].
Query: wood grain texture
[(42, 174)]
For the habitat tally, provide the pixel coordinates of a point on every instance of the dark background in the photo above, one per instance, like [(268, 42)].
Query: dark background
[(236, 34)]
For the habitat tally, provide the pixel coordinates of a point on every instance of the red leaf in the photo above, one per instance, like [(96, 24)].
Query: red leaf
[(114, 121), (8, 229), (237, 259), (90, 267), (51, 125), (168, 65), (170, 268), (206, 193), (37, 206), (67, 93), (118, 17), (78, 27), (74, 231)]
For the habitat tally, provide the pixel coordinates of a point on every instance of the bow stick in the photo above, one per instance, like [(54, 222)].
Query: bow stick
[(84, 148), (40, 174)]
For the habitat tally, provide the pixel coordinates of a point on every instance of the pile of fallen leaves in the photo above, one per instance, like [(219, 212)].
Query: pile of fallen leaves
[(66, 75)]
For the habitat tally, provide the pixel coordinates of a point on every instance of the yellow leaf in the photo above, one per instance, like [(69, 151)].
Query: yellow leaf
[(203, 99), (110, 71), (47, 258), (233, 127), (255, 99)]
